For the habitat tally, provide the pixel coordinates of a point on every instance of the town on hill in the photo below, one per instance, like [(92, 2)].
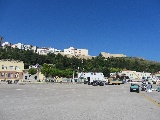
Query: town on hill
[(17, 59)]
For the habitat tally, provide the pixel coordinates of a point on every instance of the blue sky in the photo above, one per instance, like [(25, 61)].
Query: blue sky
[(130, 27)]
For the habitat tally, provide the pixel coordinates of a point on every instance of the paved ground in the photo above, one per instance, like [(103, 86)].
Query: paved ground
[(76, 102)]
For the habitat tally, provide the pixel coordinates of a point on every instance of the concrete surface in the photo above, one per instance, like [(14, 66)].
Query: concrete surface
[(76, 102)]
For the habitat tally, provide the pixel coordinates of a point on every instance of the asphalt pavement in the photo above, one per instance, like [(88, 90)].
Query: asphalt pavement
[(76, 102)]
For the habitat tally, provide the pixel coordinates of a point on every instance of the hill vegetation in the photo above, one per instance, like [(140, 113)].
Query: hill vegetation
[(96, 64)]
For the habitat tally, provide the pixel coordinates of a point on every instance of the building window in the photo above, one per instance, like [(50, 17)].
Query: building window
[(4, 67), (11, 67), (17, 68)]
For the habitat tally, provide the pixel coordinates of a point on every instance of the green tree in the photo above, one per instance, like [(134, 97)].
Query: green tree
[(46, 69), (32, 71)]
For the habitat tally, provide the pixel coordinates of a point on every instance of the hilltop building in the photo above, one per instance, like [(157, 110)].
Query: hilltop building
[(76, 52), (24, 47), (6, 44), (45, 51), (69, 52), (108, 55)]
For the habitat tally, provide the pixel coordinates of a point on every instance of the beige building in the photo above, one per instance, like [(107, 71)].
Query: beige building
[(133, 74), (79, 56), (11, 70), (108, 55), (76, 52)]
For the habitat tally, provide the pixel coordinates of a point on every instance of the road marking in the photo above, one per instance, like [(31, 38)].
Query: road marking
[(151, 100)]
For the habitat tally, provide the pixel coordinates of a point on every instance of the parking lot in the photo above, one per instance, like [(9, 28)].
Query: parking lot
[(76, 102)]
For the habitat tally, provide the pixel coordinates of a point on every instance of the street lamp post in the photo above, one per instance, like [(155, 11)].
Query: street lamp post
[(73, 76), (82, 70)]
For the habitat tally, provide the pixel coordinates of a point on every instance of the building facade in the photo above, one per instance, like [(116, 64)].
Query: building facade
[(133, 74), (34, 48), (27, 47), (33, 78), (11, 70), (108, 55), (76, 52), (6, 44), (45, 51), (91, 76)]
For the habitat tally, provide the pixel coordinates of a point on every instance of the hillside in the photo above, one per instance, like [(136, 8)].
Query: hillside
[(95, 64)]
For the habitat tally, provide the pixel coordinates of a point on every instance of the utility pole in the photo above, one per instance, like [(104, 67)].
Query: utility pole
[(73, 76), (73, 72)]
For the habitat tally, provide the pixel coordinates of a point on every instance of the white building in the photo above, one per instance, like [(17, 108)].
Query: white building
[(6, 44), (133, 74), (20, 46), (27, 47), (45, 51), (42, 51), (57, 51), (24, 47), (91, 76), (76, 52), (37, 66), (34, 48), (14, 45)]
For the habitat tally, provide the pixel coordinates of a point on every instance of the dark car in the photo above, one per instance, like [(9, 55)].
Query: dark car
[(9, 81), (98, 82), (134, 88)]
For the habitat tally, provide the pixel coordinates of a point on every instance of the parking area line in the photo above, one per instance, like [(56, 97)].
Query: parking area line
[(151, 100)]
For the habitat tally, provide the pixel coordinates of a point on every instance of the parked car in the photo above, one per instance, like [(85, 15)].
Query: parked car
[(134, 88), (98, 82), (9, 81)]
